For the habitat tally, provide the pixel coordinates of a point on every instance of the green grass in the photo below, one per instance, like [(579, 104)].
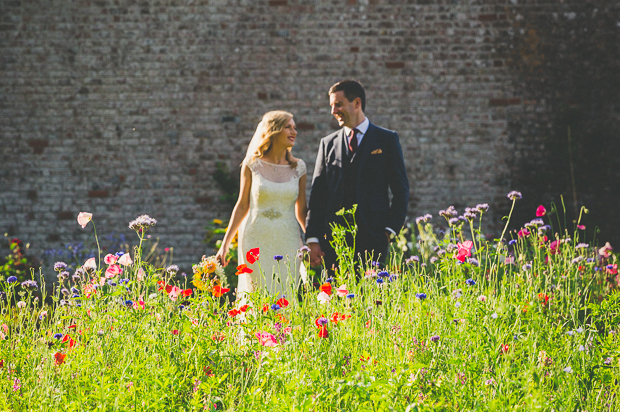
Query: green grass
[(543, 337)]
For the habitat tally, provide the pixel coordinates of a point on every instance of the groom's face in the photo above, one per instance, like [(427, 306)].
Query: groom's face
[(343, 110)]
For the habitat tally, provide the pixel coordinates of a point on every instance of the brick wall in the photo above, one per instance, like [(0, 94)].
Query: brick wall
[(122, 108)]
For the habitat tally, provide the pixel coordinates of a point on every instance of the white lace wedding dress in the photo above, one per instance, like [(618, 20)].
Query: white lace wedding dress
[(272, 227)]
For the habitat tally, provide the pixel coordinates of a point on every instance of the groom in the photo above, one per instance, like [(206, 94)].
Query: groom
[(358, 164)]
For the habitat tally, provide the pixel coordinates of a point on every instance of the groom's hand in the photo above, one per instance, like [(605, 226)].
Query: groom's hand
[(316, 254)]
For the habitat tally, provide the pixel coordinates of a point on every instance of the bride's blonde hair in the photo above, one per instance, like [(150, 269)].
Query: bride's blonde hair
[(271, 124)]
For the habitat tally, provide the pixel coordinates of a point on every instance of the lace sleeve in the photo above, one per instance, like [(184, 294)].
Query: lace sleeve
[(250, 164), (301, 168)]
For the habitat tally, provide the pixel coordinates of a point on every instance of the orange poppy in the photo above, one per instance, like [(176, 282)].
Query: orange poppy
[(219, 291), (243, 269), (327, 288)]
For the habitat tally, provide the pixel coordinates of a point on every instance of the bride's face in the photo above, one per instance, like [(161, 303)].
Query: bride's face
[(287, 136)]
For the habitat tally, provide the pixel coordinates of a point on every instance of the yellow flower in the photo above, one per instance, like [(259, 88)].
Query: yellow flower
[(217, 221)]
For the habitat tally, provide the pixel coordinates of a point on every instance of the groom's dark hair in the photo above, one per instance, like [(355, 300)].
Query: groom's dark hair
[(351, 89)]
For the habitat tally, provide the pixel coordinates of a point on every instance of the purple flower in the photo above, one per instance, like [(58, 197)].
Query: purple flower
[(435, 338), (453, 221), (482, 207), (58, 336), (304, 249), (11, 279), (383, 274), (30, 285), (420, 296), (278, 258), (322, 321), (470, 282), (329, 280), (60, 266), (275, 306), (128, 303), (172, 269), (514, 195), (379, 281), (607, 361)]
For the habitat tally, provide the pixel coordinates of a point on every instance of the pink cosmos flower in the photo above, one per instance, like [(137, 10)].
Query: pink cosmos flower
[(541, 211), (174, 293), (342, 291), (83, 219), (110, 259), (581, 227), (323, 297), (5, 328), (523, 233), (482, 298), (509, 260), (91, 263), (266, 339), (287, 330), (606, 250), (141, 275), (139, 304), (553, 247), (125, 260), (464, 250), (112, 271)]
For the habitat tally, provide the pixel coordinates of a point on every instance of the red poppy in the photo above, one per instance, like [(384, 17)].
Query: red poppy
[(544, 299), (252, 255), (219, 291), (72, 326), (175, 332), (59, 358), (541, 211), (316, 322), (233, 313), (1, 363), (243, 269), (67, 338), (243, 308), (323, 333), (265, 308), (367, 325), (337, 317), (327, 288), (282, 302), (505, 348), (218, 336), (186, 292)]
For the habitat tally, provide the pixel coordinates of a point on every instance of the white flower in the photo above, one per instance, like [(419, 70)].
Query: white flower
[(125, 260), (581, 348), (83, 218), (482, 298), (568, 369), (21, 304), (494, 315), (323, 297)]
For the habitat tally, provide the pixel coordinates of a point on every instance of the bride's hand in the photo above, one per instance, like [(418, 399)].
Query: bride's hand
[(221, 256)]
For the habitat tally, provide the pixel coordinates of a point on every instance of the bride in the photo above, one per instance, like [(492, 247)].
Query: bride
[(272, 195)]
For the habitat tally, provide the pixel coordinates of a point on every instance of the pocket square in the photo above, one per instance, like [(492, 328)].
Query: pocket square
[(378, 151)]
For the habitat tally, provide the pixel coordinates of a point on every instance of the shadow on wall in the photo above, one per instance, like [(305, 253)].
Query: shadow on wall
[(567, 138)]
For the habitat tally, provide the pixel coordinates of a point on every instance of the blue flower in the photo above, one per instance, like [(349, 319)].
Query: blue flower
[(351, 295), (470, 282), (596, 268), (75, 295), (383, 274), (329, 280), (123, 281), (420, 296), (379, 281), (128, 303), (275, 306), (119, 254), (376, 264), (58, 335), (590, 260), (512, 242), (392, 278), (278, 257), (11, 279), (75, 290), (111, 283)]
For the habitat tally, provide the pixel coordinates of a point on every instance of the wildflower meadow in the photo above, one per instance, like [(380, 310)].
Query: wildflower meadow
[(452, 321)]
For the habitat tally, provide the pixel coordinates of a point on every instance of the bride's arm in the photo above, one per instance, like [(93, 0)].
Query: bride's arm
[(238, 214), (301, 207)]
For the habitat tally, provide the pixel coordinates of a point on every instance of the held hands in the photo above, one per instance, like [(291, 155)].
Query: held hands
[(316, 254), (221, 255)]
